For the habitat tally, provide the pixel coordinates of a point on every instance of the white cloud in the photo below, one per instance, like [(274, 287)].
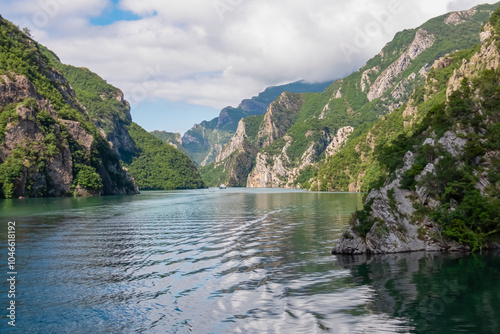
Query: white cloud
[(218, 52)]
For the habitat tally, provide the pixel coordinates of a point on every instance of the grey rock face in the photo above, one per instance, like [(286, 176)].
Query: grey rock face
[(423, 40)]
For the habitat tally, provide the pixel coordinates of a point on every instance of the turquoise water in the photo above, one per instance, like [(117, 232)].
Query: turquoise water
[(229, 261)]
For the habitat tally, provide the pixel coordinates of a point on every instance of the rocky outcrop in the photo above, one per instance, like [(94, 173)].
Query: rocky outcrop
[(390, 222), (393, 230), (205, 141), (240, 164), (120, 140), (278, 170), (453, 142), (400, 91), (488, 58), (53, 179), (234, 144), (79, 135), (339, 140), (409, 114), (457, 18), (365, 78), (237, 157), (386, 80), (325, 110), (279, 117), (16, 88), (270, 171)]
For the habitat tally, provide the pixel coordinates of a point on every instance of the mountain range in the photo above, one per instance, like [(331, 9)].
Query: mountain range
[(204, 141), (318, 141)]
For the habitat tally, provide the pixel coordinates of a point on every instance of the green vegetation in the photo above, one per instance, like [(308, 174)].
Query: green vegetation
[(382, 132), (252, 126), (374, 153), (214, 175), (305, 177), (8, 114), (160, 166), (203, 137), (234, 170), (361, 221), (88, 178), (152, 163), (10, 170), (33, 158)]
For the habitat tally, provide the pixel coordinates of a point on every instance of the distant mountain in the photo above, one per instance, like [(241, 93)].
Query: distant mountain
[(65, 132), (205, 141), (171, 138), (303, 139)]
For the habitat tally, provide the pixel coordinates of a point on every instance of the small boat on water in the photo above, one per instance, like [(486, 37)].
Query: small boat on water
[(222, 186)]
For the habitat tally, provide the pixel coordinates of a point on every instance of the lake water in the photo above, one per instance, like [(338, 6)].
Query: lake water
[(229, 261)]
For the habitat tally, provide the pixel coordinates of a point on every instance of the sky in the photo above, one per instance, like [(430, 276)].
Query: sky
[(181, 62)]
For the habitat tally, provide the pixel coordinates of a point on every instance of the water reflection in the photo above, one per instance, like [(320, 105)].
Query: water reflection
[(433, 292)]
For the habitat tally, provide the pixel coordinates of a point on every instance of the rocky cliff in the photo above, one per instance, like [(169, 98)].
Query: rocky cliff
[(389, 80), (386, 80), (445, 194), (152, 163), (42, 154), (49, 144)]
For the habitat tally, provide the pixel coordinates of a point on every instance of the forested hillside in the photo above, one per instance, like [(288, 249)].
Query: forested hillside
[(153, 164), (49, 144)]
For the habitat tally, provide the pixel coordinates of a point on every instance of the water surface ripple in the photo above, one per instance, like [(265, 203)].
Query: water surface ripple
[(210, 261)]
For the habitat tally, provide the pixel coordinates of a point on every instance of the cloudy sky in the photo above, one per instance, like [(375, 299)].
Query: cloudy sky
[(180, 62)]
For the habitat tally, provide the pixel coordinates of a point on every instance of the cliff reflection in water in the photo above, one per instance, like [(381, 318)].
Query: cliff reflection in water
[(434, 292)]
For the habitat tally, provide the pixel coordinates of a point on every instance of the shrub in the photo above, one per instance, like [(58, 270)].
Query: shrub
[(88, 178), (408, 179), (361, 221)]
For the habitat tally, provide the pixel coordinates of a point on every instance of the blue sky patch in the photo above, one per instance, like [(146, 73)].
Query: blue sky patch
[(112, 14)]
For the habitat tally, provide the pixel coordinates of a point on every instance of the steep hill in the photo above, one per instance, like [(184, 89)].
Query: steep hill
[(64, 130), (307, 154), (49, 145), (159, 165), (442, 190), (204, 141)]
